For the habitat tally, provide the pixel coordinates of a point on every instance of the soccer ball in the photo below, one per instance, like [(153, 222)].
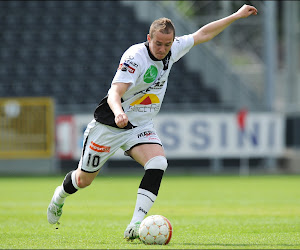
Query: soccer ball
[(155, 230)]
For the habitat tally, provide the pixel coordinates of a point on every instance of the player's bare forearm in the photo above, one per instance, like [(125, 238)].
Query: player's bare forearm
[(209, 31), (114, 101)]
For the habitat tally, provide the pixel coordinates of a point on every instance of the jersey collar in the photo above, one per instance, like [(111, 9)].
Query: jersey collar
[(165, 61)]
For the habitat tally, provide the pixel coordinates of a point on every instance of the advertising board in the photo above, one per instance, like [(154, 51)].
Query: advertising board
[(195, 135)]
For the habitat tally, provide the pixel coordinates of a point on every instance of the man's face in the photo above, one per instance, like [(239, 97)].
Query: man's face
[(160, 44)]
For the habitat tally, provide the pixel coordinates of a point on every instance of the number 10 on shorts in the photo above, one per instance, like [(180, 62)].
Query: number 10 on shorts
[(94, 160)]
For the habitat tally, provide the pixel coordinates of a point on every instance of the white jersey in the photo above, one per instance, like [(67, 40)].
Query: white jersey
[(148, 78)]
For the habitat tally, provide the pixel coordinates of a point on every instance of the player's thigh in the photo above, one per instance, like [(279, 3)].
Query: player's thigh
[(101, 142), (143, 144), (142, 153)]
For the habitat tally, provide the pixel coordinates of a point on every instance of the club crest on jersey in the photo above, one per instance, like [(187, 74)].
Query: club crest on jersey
[(150, 74)]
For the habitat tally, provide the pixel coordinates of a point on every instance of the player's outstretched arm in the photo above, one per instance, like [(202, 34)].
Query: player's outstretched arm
[(115, 94), (209, 31)]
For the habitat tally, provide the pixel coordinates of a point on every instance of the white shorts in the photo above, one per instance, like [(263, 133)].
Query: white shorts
[(101, 142)]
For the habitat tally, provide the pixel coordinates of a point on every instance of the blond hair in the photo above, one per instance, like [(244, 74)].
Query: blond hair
[(163, 25)]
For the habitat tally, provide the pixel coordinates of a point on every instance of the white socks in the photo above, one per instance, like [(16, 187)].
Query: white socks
[(60, 195), (144, 202)]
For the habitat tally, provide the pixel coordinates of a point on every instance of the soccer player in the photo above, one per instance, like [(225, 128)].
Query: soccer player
[(123, 119)]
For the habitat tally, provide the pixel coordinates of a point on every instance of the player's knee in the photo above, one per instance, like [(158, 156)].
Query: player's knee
[(83, 180), (157, 162)]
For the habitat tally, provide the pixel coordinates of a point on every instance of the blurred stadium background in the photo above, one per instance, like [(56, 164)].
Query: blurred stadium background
[(232, 104)]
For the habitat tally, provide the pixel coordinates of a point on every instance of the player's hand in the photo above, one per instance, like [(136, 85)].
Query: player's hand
[(246, 10), (121, 120)]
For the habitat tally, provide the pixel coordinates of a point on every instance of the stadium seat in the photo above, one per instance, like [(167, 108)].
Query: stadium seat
[(54, 47)]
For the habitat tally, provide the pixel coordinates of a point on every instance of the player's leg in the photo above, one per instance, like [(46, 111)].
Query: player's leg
[(73, 181), (94, 155), (152, 157)]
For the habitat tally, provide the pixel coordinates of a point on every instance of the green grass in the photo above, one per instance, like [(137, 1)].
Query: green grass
[(229, 212)]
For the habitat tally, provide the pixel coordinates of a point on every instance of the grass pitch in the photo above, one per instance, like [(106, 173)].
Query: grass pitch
[(229, 212)]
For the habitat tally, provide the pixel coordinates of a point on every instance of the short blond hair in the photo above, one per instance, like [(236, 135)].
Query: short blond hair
[(163, 25)]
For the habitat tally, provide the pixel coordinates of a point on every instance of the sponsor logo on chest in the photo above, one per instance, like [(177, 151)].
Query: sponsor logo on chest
[(151, 74)]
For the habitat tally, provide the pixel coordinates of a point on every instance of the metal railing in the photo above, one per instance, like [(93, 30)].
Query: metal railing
[(26, 128)]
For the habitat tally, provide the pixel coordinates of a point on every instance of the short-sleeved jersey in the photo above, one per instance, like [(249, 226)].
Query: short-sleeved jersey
[(148, 78)]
